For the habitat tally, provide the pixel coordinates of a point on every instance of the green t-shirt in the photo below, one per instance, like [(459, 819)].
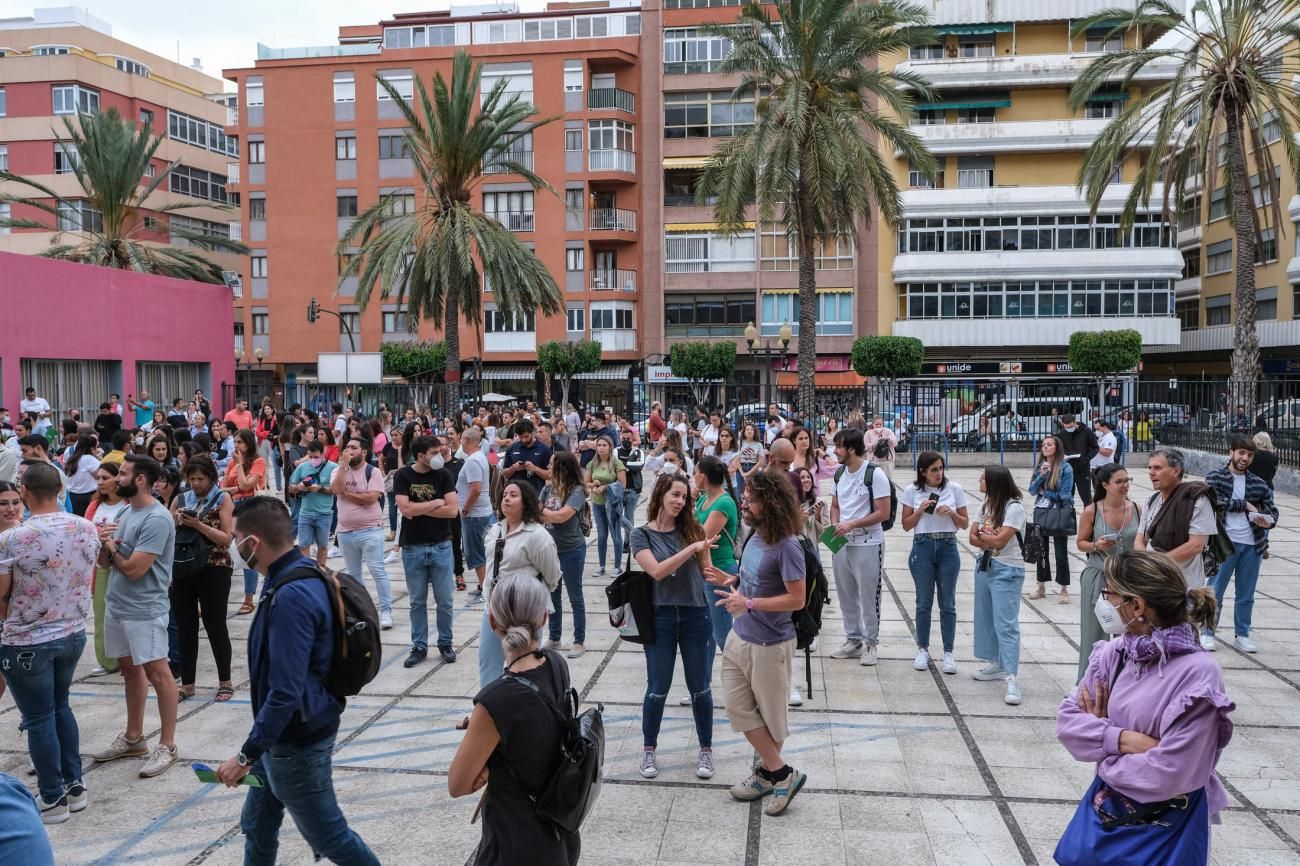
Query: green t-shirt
[(604, 473), (724, 555)]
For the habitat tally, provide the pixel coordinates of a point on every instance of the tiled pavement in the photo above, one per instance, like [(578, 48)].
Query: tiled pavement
[(904, 767)]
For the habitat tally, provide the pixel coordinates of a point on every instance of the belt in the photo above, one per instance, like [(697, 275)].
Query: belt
[(952, 535)]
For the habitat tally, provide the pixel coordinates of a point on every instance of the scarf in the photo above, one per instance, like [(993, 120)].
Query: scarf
[(1143, 649)]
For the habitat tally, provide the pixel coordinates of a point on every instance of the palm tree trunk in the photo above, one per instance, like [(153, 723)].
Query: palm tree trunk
[(807, 302), (451, 333), (1245, 351)]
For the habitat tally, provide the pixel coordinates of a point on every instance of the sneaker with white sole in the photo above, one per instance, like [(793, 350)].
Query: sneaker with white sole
[(56, 812), (101, 671), (159, 761), (753, 788), (393, 556), (334, 553), (922, 660), (990, 673), (474, 598), (649, 769), (704, 764), (1208, 643), (385, 619), (550, 643), (684, 701), (796, 699), (868, 655), (577, 651), (121, 747), (600, 572), (852, 649), (949, 664), (1012, 696), (78, 799), (1244, 644), (783, 792)]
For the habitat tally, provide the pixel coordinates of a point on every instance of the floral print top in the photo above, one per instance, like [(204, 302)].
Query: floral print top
[(49, 560)]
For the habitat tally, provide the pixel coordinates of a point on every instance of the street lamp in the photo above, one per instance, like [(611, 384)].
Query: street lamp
[(258, 354), (762, 349)]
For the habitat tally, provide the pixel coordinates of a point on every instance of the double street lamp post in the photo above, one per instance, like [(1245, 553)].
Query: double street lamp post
[(763, 349), (258, 354)]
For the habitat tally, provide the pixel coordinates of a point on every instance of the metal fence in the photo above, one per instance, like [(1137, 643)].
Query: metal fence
[(365, 399)]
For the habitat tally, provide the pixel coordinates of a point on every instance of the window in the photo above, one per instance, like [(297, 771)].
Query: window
[(974, 115), (1272, 132), (349, 323), (1191, 263), (1270, 191), (5, 215), (1078, 232), (1218, 310), (131, 67), (778, 252), (1266, 304), (975, 46), (609, 135), (572, 139), (253, 95), (1036, 299), (974, 172), (916, 179), (573, 76), (257, 209), (518, 78), (706, 114), (49, 50), (689, 49), (520, 321), (1218, 258), (1295, 296), (931, 117), (146, 117), (611, 316), (395, 322), (1102, 110), (345, 87), (401, 81), (708, 314), (927, 52), (347, 205), (256, 152), (195, 227), (575, 320), (2, 102), (65, 157), (1188, 313), (573, 259), (258, 264), (200, 133), (4, 157), (514, 210), (198, 183), (78, 215), (398, 203), (1219, 204), (261, 324), (834, 312), (393, 147), (75, 99), (702, 252), (1101, 40), (345, 147), (1266, 248)]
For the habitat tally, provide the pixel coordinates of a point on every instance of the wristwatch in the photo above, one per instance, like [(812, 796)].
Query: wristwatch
[(242, 760), (749, 604)]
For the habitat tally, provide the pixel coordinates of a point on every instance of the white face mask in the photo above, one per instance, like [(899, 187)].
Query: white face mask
[(1108, 616), (139, 440), (436, 462)]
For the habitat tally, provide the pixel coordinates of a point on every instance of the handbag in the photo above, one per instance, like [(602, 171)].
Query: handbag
[(1109, 829), (191, 550), (1057, 520), (632, 605)]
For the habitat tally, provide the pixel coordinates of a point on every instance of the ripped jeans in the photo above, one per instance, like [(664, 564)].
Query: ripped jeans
[(39, 678), (691, 629)]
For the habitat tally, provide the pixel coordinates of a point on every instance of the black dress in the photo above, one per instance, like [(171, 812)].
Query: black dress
[(518, 768), (1265, 466)]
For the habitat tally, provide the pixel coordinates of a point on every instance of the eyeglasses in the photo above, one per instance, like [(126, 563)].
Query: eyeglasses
[(1107, 593)]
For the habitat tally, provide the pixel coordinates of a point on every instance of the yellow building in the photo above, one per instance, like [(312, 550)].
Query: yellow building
[(1000, 259)]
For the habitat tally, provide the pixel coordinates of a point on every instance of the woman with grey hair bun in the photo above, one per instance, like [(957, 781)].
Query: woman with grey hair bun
[(514, 736)]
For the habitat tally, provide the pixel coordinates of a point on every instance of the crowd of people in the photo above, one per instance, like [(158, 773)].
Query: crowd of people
[(139, 525)]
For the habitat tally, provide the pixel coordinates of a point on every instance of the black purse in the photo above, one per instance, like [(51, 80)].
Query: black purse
[(632, 604), (1057, 520)]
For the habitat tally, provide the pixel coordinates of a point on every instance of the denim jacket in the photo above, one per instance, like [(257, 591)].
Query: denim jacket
[(1063, 495)]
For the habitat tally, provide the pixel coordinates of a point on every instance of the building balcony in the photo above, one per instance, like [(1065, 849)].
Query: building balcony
[(1190, 236), (1024, 70), (612, 98), (1220, 338), (615, 220), (494, 164), (1016, 201), (611, 280), (1056, 331), (1158, 263), (1024, 136), (612, 160), (516, 220), (1293, 270), (1187, 288), (615, 339)]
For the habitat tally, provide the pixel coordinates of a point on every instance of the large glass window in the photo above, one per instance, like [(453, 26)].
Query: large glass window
[(345, 147), (975, 234), (253, 93), (778, 252), (497, 322), (689, 50), (345, 87), (75, 99), (518, 78), (400, 79), (77, 215), (699, 252), (1218, 258), (610, 135), (198, 183), (708, 314), (705, 114), (393, 147), (834, 312), (200, 133), (1036, 299)]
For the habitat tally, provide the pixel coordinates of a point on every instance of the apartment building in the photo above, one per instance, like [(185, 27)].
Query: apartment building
[(322, 141), (999, 260), (700, 284), (61, 62)]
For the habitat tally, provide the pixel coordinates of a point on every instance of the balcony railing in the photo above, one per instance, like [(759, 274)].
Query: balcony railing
[(611, 97), (232, 173), (974, 178), (497, 164), (516, 220), (611, 219), (612, 280), (612, 160)]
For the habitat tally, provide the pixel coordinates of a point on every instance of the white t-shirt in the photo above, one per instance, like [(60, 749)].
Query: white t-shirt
[(39, 408), (751, 452), (709, 436), (1203, 523), (475, 469), (83, 480), (1238, 522), (1013, 554), (1107, 440), (950, 495), (856, 503), (106, 513)]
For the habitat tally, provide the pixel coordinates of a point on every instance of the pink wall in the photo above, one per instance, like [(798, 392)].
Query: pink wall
[(55, 309)]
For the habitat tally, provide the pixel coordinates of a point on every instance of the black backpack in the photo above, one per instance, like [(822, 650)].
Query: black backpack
[(191, 549), (888, 523), (808, 620), (357, 651)]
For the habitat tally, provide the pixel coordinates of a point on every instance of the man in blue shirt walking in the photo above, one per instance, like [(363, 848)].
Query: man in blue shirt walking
[(295, 718)]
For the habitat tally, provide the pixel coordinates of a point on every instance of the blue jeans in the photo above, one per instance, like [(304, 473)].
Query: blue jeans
[(934, 564), (299, 778), (368, 545), (250, 581), (428, 566), (571, 563), (392, 513), (39, 677), (473, 532), (1245, 564), (608, 518), (719, 618), (689, 628), (997, 615)]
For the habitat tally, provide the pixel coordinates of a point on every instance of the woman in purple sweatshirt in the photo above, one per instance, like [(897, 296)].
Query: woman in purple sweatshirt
[(1152, 713)]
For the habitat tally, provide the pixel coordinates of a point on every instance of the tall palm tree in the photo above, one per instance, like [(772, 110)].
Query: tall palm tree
[(1233, 65), (811, 162), (109, 157), (436, 259)]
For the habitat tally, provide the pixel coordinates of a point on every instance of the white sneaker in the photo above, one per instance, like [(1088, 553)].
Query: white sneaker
[(1012, 696), (649, 769), (54, 813), (334, 553), (393, 556), (852, 649), (78, 799), (1244, 644), (922, 660), (159, 760), (1208, 643), (684, 701), (868, 655), (99, 671), (385, 620), (949, 664), (704, 764), (796, 699), (600, 572), (990, 673)]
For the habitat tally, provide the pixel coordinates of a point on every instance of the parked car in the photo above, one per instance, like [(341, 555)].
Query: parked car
[(1033, 418), (1159, 414)]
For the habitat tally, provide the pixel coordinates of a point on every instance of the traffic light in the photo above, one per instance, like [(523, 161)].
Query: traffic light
[(313, 311)]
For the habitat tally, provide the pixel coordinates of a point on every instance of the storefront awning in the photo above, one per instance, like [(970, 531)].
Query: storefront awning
[(971, 29), (685, 161), (500, 374), (608, 373), (993, 100), (841, 379)]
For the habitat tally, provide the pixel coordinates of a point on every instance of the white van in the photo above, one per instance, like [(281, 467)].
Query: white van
[(1033, 418)]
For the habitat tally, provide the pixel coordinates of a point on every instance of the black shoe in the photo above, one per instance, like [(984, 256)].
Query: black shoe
[(418, 654), (448, 654)]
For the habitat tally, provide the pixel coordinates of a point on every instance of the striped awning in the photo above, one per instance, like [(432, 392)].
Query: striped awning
[(685, 161), (498, 374), (608, 373)]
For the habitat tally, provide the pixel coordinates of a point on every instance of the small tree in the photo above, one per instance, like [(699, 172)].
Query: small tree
[(414, 359), (564, 360), (888, 359), (702, 364), (1104, 354)]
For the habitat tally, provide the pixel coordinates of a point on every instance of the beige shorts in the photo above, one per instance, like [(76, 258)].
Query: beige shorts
[(756, 685)]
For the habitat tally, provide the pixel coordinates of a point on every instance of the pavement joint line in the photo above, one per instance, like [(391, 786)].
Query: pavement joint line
[(1261, 815), (754, 832), (981, 764)]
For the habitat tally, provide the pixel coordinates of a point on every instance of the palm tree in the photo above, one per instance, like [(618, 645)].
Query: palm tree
[(109, 157), (437, 259), (1232, 65), (810, 162)]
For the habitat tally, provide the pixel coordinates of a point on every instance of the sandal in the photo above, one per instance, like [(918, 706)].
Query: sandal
[(463, 724), (460, 583), (1039, 592), (245, 608), (182, 695), (224, 694)]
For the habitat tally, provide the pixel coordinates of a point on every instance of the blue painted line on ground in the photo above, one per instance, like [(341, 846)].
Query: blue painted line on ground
[(155, 825)]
